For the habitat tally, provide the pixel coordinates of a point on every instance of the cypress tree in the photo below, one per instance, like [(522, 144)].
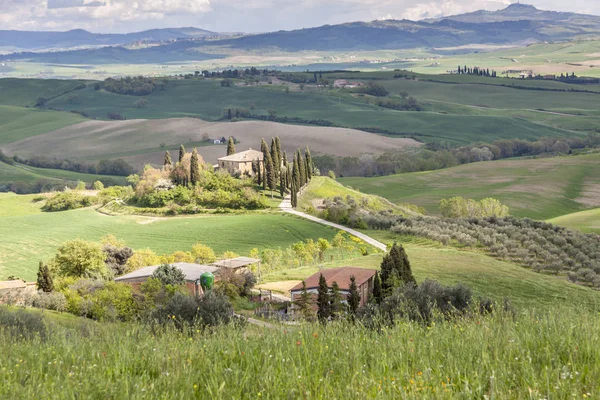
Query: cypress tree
[(276, 157), (181, 153), (335, 301), (265, 150), (44, 279), (194, 168), (303, 303), (353, 297), (259, 173), (168, 162), (323, 310), (230, 146), (301, 169), (296, 173), (288, 178), (402, 265), (282, 177), (389, 277), (377, 292), (309, 164), (294, 199), (278, 146), (270, 174)]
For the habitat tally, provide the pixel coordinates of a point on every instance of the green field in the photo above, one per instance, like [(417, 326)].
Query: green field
[(32, 236), (18, 123), (20, 173), (586, 221), (538, 188)]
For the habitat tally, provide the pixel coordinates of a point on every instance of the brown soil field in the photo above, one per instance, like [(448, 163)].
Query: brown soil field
[(144, 141)]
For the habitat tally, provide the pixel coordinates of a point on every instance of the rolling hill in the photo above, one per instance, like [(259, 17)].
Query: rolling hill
[(537, 188)]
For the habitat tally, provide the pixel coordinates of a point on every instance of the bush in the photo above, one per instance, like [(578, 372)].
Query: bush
[(68, 201), (50, 301), (184, 311), (98, 185)]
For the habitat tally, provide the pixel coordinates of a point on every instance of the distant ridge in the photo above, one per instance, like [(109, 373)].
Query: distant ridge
[(514, 25), (43, 40)]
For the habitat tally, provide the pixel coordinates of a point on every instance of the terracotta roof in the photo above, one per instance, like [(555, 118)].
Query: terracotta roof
[(339, 275), (192, 271), (248, 155), (235, 263)]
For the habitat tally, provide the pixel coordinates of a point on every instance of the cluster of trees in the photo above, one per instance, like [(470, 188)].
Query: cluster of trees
[(407, 104), (79, 280), (117, 167), (477, 71), (436, 155), (188, 183), (458, 207), (373, 89), (135, 86)]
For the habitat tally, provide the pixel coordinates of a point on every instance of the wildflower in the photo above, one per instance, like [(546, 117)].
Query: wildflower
[(195, 387), (315, 335), (298, 343)]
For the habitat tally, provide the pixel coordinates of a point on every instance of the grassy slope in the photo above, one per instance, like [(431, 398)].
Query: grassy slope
[(537, 188), (430, 260), (25, 92), (26, 239), (18, 123), (586, 221), (27, 174)]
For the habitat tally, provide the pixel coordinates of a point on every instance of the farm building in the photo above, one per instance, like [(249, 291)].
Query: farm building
[(239, 264), (192, 275), (364, 282), (241, 162)]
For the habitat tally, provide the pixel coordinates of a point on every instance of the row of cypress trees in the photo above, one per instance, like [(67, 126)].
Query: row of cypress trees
[(179, 173), (278, 170)]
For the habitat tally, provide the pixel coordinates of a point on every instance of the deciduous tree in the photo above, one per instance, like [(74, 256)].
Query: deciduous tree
[(80, 259)]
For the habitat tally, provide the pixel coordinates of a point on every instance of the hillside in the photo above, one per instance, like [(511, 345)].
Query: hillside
[(536, 188), (586, 221), (37, 40)]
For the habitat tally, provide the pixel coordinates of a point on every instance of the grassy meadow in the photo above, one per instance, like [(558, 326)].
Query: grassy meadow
[(25, 174), (538, 188), (532, 355), (586, 221), (27, 235)]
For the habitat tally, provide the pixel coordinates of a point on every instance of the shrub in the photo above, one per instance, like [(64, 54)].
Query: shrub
[(67, 201), (50, 301), (98, 185), (169, 275)]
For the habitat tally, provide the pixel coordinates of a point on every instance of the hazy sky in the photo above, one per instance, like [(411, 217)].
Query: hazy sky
[(239, 15)]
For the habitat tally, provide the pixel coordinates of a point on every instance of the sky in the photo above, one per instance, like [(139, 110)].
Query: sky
[(119, 16)]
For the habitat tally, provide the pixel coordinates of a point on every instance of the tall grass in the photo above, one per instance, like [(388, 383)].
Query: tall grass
[(533, 356)]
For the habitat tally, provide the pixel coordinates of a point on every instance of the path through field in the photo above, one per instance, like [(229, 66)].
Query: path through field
[(286, 206)]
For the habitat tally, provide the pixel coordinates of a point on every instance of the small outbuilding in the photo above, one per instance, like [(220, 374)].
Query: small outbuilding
[(363, 278), (238, 264), (192, 272)]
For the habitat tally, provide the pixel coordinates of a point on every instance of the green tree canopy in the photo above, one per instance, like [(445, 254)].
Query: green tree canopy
[(169, 275), (80, 259)]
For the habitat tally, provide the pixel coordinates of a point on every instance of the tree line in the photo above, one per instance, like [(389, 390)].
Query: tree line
[(118, 167), (438, 155), (477, 71), (134, 86)]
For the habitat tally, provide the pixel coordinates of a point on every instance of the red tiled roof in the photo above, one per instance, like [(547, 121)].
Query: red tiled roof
[(339, 275)]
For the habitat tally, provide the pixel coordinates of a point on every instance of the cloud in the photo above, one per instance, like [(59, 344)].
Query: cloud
[(433, 9), (74, 3)]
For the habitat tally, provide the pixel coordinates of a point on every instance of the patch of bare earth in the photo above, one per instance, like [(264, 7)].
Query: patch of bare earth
[(282, 286), (590, 195)]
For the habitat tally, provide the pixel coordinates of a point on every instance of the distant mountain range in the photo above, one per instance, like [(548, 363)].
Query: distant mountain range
[(516, 24), (26, 40)]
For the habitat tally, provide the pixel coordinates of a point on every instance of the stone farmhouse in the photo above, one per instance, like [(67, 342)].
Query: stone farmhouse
[(241, 163)]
